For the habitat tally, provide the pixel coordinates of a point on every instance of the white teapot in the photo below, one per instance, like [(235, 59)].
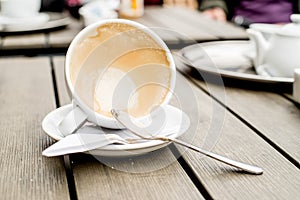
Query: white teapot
[(280, 54)]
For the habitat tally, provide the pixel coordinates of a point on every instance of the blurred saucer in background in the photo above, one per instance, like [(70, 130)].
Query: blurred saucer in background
[(13, 23), (52, 21)]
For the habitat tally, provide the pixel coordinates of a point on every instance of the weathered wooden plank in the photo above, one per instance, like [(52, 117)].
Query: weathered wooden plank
[(183, 30), (95, 180), (62, 38), (275, 117), (164, 34), (26, 94), (147, 177), (201, 22), (24, 41), (281, 179)]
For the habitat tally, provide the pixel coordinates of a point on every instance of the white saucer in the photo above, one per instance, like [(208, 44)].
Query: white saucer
[(221, 54), (176, 122), (230, 59), (14, 24)]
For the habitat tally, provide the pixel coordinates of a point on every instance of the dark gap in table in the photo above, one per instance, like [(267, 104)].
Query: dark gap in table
[(190, 172)]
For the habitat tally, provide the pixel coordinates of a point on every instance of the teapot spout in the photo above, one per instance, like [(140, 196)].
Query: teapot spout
[(261, 46)]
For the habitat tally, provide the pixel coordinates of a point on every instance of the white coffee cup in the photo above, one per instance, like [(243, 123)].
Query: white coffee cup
[(116, 64), (20, 8)]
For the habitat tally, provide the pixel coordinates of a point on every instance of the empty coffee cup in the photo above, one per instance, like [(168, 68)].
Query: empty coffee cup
[(116, 64)]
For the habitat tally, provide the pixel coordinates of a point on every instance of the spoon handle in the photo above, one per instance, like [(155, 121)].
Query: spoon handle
[(125, 120), (243, 166)]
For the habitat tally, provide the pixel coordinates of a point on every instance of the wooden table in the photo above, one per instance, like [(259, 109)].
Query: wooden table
[(177, 26), (256, 127)]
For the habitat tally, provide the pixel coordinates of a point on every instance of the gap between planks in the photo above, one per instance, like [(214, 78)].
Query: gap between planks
[(66, 158)]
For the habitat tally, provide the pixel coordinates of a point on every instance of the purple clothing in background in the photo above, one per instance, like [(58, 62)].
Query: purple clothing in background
[(265, 11)]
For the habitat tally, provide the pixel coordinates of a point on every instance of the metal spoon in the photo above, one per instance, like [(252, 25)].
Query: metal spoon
[(125, 120)]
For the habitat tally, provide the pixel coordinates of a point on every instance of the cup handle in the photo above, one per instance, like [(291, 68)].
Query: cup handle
[(73, 121), (296, 85)]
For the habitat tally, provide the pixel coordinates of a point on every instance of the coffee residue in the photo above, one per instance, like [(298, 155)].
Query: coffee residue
[(121, 66)]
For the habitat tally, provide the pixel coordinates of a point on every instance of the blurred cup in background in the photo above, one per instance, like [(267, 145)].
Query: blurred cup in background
[(131, 8)]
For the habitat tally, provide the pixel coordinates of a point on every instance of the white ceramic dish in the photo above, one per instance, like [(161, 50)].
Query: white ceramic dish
[(176, 121), (266, 29), (23, 23), (45, 21), (223, 55), (231, 59), (279, 55)]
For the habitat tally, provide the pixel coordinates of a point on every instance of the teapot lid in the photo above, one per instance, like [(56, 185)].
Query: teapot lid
[(291, 29)]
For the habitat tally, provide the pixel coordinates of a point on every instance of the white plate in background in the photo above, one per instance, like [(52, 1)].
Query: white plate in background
[(231, 59), (45, 21), (11, 23)]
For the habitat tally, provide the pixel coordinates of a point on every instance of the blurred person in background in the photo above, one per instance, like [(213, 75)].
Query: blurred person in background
[(245, 12), (153, 2)]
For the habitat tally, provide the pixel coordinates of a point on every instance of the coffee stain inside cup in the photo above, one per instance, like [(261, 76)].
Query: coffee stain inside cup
[(120, 66)]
